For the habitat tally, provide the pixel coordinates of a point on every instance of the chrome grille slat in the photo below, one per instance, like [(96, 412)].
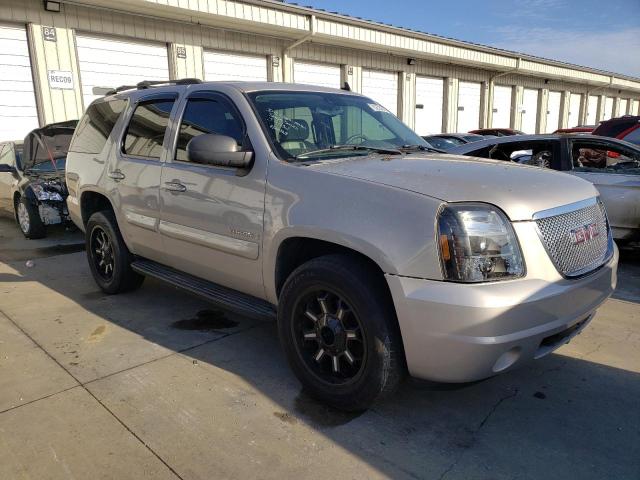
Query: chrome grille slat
[(570, 258)]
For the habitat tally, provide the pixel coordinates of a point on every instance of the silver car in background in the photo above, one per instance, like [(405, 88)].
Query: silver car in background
[(612, 165)]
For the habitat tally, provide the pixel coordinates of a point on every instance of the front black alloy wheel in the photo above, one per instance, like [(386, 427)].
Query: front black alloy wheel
[(338, 328), (329, 336)]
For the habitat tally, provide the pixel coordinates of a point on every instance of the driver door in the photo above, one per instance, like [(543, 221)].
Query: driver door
[(211, 218)]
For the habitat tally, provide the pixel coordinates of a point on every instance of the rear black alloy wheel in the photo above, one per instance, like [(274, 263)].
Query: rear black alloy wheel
[(329, 337), (102, 253), (108, 256)]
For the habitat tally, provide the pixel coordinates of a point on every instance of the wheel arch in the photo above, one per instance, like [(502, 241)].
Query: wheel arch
[(92, 202)]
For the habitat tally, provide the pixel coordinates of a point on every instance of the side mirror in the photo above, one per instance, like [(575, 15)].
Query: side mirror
[(219, 150), (4, 168)]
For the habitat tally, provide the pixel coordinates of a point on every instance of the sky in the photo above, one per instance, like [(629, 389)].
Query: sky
[(592, 33)]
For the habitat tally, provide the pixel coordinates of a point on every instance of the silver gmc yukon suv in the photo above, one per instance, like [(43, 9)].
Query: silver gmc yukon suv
[(377, 254)]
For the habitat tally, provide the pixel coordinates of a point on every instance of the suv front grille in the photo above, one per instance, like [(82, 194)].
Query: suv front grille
[(577, 241)]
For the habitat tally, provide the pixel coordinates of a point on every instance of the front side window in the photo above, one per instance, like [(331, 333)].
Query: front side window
[(96, 125), (303, 123), (599, 158), (208, 115), (6, 155), (145, 133)]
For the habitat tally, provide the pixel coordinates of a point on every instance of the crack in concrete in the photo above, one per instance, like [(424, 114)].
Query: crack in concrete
[(475, 432)]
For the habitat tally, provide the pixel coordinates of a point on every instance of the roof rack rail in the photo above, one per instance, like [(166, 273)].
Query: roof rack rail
[(152, 83)]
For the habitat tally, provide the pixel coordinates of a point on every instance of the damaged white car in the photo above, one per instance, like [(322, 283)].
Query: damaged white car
[(32, 184)]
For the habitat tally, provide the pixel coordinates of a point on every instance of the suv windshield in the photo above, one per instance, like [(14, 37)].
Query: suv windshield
[(317, 125)]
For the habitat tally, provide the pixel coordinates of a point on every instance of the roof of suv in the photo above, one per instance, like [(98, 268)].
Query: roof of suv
[(244, 87), (615, 126)]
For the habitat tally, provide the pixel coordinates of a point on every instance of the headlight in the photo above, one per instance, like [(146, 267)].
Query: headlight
[(42, 194), (477, 244)]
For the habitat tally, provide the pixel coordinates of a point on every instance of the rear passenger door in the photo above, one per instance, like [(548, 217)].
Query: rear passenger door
[(212, 217), (135, 174)]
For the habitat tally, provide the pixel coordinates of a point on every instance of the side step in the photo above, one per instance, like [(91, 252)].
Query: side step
[(226, 298)]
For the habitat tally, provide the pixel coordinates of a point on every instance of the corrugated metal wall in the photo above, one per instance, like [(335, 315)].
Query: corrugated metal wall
[(449, 62)]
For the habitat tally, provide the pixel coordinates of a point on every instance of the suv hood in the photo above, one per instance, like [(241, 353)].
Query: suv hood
[(519, 190)]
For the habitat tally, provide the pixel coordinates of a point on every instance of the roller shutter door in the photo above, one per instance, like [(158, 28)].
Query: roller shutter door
[(317, 74), (501, 107), (608, 108), (634, 107), (529, 110), (18, 114), (574, 110), (110, 62), (592, 110), (429, 99), (624, 105), (468, 106), (233, 66), (553, 111), (381, 87)]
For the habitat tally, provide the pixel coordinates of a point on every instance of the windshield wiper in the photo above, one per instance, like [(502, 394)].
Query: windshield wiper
[(421, 148), (337, 148)]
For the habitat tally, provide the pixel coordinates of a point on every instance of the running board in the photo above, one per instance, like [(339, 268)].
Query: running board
[(226, 298)]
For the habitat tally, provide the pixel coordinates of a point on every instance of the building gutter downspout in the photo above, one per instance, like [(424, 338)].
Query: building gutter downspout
[(513, 70), (287, 66)]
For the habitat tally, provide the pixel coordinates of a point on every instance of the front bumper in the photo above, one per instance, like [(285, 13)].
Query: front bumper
[(455, 332)]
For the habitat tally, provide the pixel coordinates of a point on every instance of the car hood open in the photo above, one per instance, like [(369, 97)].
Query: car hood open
[(520, 191)]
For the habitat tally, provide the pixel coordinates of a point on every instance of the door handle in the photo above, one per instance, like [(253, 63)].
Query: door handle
[(175, 186), (117, 175)]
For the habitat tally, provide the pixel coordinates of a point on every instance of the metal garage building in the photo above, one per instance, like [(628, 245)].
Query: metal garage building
[(51, 60)]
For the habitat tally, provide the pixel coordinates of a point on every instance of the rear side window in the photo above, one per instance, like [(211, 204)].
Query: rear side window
[(633, 136), (96, 125), (146, 129)]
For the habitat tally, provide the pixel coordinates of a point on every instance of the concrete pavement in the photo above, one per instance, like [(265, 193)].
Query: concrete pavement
[(159, 384)]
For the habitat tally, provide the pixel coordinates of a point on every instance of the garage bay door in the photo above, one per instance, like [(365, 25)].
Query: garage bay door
[(233, 66), (608, 108), (381, 87), (468, 106), (553, 111), (634, 107), (316, 74), (624, 105), (592, 110), (18, 114), (501, 107), (574, 110), (529, 110), (429, 99), (109, 62)]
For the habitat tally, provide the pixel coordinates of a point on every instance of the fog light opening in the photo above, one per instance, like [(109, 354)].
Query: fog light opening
[(507, 359)]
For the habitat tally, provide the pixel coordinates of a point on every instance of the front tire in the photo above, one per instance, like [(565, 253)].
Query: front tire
[(29, 219), (338, 328), (108, 256)]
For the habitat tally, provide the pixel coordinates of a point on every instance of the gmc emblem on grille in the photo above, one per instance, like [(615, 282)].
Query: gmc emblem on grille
[(584, 233)]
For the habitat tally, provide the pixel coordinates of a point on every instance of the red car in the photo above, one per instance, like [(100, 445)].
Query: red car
[(625, 128), (578, 129), (497, 132)]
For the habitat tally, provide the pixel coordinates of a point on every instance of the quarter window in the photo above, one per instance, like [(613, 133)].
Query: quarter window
[(96, 125), (147, 127), (208, 115)]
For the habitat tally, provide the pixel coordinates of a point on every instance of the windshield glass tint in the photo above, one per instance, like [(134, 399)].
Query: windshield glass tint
[(302, 122)]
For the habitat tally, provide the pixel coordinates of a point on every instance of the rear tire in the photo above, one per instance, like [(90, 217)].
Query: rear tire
[(108, 256), (29, 220), (338, 328)]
